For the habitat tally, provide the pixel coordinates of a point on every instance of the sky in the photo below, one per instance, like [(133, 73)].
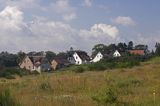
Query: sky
[(57, 25)]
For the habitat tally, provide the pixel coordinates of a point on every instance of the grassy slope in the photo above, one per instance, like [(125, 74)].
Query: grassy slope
[(133, 86)]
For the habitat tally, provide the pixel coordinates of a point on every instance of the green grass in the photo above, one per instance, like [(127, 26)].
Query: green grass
[(137, 86)]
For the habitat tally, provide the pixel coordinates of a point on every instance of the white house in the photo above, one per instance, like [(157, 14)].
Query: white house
[(78, 58), (116, 54), (98, 57)]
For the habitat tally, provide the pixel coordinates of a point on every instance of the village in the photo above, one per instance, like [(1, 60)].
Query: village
[(40, 63)]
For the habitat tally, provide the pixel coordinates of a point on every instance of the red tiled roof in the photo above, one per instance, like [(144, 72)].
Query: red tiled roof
[(138, 52)]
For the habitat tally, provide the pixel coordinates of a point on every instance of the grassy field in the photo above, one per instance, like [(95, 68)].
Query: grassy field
[(138, 86)]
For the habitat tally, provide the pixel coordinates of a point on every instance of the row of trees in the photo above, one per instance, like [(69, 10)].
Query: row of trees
[(12, 60), (122, 47)]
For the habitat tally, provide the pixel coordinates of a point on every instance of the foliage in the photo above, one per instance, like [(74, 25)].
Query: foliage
[(50, 55), (45, 86), (8, 59), (7, 100), (106, 97), (20, 56), (79, 69), (10, 72), (157, 52), (130, 45)]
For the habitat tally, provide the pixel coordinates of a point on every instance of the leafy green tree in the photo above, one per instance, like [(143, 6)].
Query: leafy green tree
[(122, 47), (111, 48), (157, 52), (50, 55), (141, 47), (98, 48), (8, 59), (63, 55), (21, 56), (130, 45)]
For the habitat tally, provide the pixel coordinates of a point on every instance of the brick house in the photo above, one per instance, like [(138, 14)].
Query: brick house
[(35, 63)]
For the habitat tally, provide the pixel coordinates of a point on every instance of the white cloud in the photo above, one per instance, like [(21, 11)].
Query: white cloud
[(11, 18), (69, 17), (88, 3), (21, 3), (108, 30), (63, 7), (125, 21), (42, 34)]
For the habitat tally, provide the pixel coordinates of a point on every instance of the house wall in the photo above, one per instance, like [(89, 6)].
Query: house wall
[(98, 57), (72, 60), (54, 64), (45, 66), (38, 69), (77, 59), (27, 64), (116, 54)]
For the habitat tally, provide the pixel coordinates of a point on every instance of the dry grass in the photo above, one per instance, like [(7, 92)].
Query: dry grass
[(134, 86)]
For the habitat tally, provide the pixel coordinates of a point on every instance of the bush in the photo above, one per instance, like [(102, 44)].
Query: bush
[(97, 66), (106, 97), (7, 100), (45, 86), (79, 69), (10, 72)]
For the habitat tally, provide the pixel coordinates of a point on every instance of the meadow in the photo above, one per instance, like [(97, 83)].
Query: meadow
[(136, 86)]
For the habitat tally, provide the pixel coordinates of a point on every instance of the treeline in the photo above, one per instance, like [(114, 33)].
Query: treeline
[(12, 60), (121, 47)]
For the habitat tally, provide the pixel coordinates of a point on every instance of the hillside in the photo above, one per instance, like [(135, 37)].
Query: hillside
[(136, 86)]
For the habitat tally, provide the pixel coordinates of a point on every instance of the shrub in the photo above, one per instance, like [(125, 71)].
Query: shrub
[(10, 72), (7, 100), (106, 97), (45, 86), (100, 66), (123, 83), (79, 69)]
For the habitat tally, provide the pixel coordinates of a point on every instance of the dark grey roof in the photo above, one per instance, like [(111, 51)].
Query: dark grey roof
[(82, 54)]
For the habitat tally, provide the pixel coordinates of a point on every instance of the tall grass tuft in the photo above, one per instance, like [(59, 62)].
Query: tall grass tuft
[(7, 100)]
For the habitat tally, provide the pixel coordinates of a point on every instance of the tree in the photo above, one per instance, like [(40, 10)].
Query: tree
[(130, 45), (50, 55), (21, 56), (157, 52), (111, 48), (98, 48), (62, 55), (8, 60), (121, 47), (141, 47)]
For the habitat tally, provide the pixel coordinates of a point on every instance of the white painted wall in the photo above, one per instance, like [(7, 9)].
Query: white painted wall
[(98, 57), (116, 54), (78, 60)]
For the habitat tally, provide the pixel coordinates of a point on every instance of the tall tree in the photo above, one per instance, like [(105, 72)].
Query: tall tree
[(130, 45), (50, 55), (157, 52), (121, 47), (98, 48), (111, 48), (20, 55)]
